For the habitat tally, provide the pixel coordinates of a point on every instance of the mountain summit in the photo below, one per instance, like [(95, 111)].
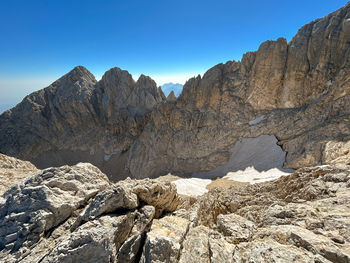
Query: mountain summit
[(297, 91)]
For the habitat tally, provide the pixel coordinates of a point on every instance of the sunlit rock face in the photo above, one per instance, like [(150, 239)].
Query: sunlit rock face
[(79, 119), (13, 171), (75, 214), (296, 91)]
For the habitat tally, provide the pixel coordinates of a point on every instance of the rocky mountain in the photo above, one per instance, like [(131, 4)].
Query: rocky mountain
[(77, 118), (5, 106), (169, 87), (75, 214), (297, 91), (171, 96)]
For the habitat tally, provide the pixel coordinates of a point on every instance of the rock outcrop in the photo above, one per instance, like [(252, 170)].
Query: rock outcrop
[(75, 214), (45, 200), (297, 91), (78, 119), (171, 96), (13, 171)]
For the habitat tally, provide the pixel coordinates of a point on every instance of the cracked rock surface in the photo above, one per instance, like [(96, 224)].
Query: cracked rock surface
[(75, 214)]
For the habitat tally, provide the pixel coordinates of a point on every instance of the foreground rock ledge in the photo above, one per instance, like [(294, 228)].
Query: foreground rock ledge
[(74, 214)]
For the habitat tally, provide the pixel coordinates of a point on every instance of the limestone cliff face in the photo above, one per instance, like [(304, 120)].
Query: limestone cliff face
[(298, 91), (77, 118), (316, 61)]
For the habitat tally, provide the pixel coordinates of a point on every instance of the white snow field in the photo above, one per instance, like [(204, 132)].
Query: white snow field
[(192, 186), (252, 160)]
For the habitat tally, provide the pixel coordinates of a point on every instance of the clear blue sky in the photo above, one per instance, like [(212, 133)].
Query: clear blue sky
[(169, 40)]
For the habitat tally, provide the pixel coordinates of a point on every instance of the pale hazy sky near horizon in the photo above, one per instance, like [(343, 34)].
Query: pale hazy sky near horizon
[(170, 41)]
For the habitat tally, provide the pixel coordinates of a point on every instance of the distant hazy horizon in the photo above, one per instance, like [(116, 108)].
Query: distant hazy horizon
[(170, 41)]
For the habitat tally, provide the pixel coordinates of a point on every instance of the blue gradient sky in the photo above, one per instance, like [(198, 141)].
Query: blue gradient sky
[(168, 40)]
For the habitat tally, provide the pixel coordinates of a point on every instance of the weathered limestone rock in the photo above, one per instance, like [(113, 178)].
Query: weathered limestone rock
[(127, 195), (131, 250), (161, 195), (237, 228), (205, 245), (95, 241), (316, 244), (164, 240), (79, 119), (266, 77), (13, 171), (268, 250), (71, 214), (112, 199), (336, 153), (220, 250), (196, 246), (40, 221), (45, 200)]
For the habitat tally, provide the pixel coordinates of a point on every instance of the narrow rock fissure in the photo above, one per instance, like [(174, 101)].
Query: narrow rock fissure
[(182, 240), (209, 251), (119, 212), (142, 244), (48, 232)]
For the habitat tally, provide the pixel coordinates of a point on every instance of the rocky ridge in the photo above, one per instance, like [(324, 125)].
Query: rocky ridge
[(75, 214), (296, 91), (77, 118)]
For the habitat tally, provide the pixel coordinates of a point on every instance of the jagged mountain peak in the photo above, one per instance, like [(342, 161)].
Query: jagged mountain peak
[(171, 96), (116, 76), (296, 90), (78, 73), (144, 80)]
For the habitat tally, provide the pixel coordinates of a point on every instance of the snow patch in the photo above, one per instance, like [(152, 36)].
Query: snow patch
[(192, 186), (261, 152), (252, 160), (252, 176)]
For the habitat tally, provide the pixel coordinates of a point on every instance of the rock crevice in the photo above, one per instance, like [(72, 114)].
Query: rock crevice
[(70, 214)]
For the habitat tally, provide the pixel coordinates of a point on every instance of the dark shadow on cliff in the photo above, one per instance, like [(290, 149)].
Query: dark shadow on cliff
[(261, 153)]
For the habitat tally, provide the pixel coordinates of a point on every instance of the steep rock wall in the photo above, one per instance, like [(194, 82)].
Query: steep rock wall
[(127, 128)]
